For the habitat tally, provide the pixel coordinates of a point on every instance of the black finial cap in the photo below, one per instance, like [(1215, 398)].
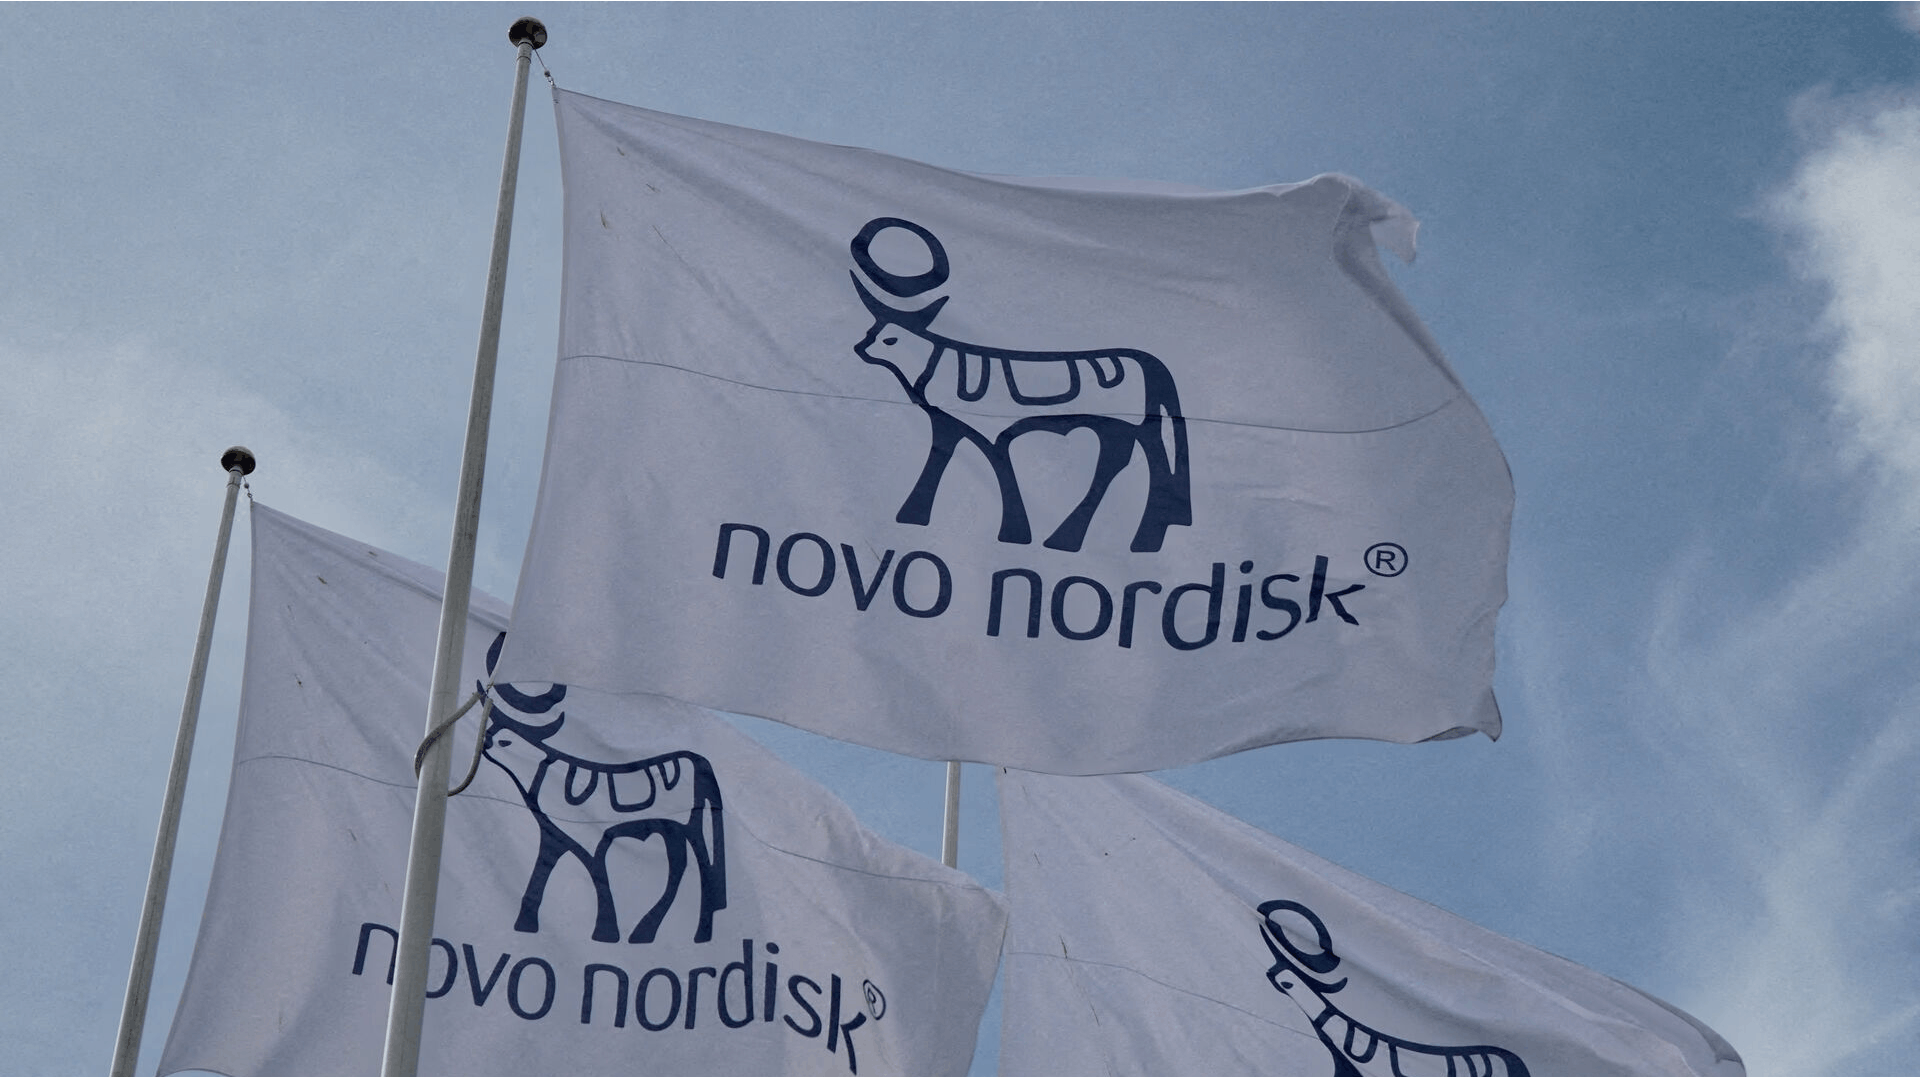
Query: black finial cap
[(239, 457), (527, 28)]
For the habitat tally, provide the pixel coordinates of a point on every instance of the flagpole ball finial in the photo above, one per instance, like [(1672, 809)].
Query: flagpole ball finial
[(528, 29), (237, 457)]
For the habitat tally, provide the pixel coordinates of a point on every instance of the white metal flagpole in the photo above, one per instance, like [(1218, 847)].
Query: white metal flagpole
[(407, 1008), (950, 835), (237, 463)]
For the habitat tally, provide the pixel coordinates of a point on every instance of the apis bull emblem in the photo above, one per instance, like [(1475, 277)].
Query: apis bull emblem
[(672, 797), (973, 394), (1357, 1049)]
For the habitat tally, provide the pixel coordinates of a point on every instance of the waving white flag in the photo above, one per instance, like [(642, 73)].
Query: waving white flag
[(1151, 934), (970, 467), (623, 880)]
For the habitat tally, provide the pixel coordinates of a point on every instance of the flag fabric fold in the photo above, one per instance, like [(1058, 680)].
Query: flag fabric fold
[(626, 879), (1151, 934), (1072, 475)]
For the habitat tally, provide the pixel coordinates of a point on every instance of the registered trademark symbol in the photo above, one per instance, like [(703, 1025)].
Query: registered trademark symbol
[(1386, 559), (876, 1002)]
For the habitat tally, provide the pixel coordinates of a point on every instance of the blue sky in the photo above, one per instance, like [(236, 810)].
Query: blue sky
[(1672, 250)]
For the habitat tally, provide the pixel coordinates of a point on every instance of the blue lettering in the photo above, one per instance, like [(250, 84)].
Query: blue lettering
[(360, 952), (453, 967), (900, 586), (726, 540), (1243, 607), (1033, 600), (842, 1031), (693, 991), (863, 592), (744, 967), (1100, 623), (793, 990), (1275, 602), (783, 565), (1127, 597), (1080, 607), (620, 1000), (640, 1000), (1319, 592), (1215, 591), (773, 983), (513, 988), (480, 992)]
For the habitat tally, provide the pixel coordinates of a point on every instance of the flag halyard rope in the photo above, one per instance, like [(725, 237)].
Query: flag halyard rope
[(441, 730)]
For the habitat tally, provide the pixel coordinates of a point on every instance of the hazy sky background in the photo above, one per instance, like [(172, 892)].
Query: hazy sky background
[(1673, 251)]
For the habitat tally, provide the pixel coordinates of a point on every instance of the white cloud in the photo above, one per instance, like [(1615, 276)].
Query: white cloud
[(1853, 208), (1808, 700), (1818, 977)]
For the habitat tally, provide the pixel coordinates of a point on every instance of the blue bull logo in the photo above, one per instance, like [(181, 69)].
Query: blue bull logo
[(673, 797), (975, 394), (1358, 1051)]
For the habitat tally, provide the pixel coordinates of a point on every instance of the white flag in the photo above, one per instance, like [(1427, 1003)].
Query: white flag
[(1151, 934), (627, 886), (970, 467)]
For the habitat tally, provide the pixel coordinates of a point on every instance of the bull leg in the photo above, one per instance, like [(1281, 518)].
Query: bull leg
[(713, 891), (710, 850), (649, 925), (606, 922), (1152, 530), (1013, 508), (918, 508), (1116, 449), (552, 847), (1169, 495)]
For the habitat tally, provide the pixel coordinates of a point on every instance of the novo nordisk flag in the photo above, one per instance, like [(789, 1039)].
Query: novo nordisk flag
[(626, 887), (1070, 475), (1151, 934)]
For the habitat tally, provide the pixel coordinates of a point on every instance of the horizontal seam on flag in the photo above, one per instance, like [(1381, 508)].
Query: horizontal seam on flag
[(1151, 979), (510, 802), (734, 819), (367, 777), (1454, 398)]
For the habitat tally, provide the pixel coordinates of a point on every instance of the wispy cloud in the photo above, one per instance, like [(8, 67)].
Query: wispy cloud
[(1809, 699), (1854, 210)]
